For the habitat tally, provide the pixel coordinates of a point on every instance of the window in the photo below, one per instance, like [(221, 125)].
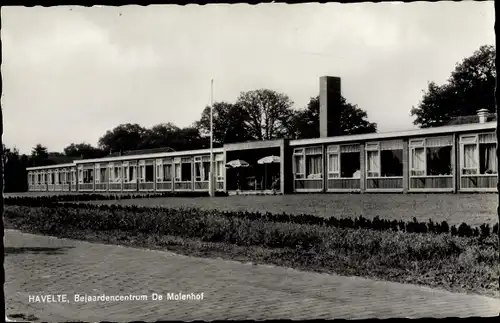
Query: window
[(391, 163), (182, 169), (333, 161), (488, 159), (177, 169), (308, 163), (372, 162), (206, 171), (201, 168), (132, 173), (159, 170), (350, 163), (298, 163), (219, 167), (88, 176), (166, 169), (167, 172), (142, 171), (385, 159), (129, 172), (344, 161), (439, 160), (314, 161), (117, 173), (98, 172), (478, 154), (102, 174), (431, 156), (186, 172), (150, 173)]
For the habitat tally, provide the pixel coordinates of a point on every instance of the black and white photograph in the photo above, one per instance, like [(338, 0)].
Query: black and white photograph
[(249, 162)]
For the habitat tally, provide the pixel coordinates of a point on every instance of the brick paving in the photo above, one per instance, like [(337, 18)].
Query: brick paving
[(41, 265)]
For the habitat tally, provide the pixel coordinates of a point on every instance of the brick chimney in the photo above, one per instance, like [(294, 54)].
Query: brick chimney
[(329, 106)]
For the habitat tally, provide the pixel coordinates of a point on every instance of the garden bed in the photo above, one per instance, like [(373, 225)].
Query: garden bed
[(465, 264)]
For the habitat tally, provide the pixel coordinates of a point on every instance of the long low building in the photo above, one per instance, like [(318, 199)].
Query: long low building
[(454, 158)]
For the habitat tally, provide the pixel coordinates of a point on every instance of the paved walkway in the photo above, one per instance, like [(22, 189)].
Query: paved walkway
[(40, 265)]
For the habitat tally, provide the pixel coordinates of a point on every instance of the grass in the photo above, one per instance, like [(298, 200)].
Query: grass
[(473, 209)]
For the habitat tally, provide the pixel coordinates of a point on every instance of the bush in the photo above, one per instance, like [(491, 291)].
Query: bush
[(53, 199), (216, 226), (377, 224)]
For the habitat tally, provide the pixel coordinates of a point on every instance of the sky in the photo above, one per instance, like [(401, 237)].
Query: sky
[(72, 73)]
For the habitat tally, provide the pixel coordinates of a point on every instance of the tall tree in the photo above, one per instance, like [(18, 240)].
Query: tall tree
[(229, 123), (470, 87), (159, 136), (83, 150), (353, 120), (188, 138), (15, 170), (268, 113), (40, 156), (124, 137)]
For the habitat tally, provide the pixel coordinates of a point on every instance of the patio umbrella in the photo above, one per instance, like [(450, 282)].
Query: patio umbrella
[(237, 163), (268, 160)]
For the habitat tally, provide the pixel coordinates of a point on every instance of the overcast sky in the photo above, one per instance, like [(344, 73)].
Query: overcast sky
[(71, 73)]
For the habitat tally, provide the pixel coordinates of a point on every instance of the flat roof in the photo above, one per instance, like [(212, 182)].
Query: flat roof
[(51, 166), (399, 134), (461, 128), (133, 157)]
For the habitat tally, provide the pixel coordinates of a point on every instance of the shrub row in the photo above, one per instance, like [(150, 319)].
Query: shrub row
[(48, 200), (463, 230), (214, 226), (377, 224)]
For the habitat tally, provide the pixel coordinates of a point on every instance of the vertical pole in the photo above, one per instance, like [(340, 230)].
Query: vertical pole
[(211, 176)]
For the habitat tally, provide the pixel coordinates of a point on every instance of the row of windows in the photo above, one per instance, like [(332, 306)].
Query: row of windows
[(57, 178), (427, 157), (179, 169)]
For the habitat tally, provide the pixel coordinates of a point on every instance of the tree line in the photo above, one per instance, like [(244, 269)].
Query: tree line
[(264, 114)]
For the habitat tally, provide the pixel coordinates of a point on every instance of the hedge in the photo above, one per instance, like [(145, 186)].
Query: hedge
[(52, 199), (215, 226), (377, 224)]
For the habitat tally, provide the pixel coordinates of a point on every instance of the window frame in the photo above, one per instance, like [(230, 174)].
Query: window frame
[(299, 152), (219, 170), (336, 150), (303, 152), (423, 143), (166, 162), (97, 170), (477, 143), (377, 146), (142, 171), (159, 170)]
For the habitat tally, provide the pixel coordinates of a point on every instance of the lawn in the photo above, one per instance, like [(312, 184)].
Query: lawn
[(473, 209)]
